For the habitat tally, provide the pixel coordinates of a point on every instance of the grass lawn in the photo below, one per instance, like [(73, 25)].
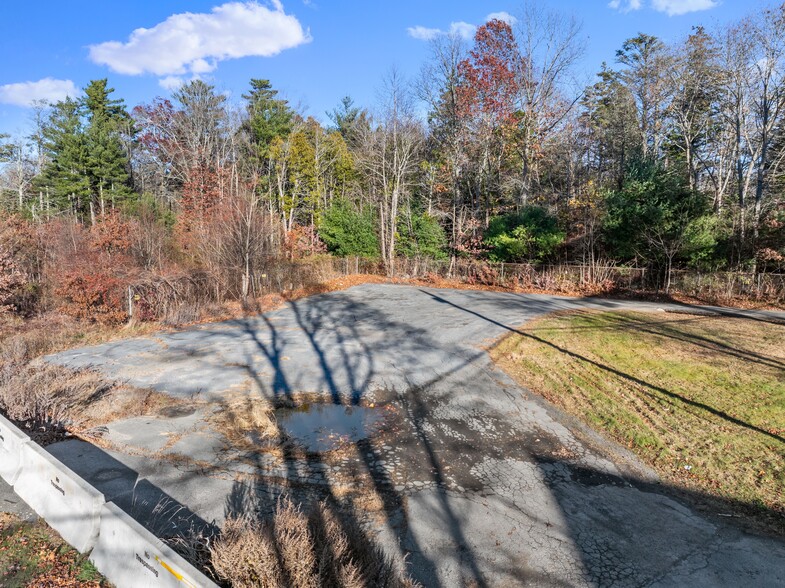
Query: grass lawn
[(31, 554), (699, 398)]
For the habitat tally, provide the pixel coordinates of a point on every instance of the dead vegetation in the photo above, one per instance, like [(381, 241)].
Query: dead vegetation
[(51, 402), (301, 550), (247, 419)]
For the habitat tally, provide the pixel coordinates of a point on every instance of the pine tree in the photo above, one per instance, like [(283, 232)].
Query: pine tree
[(268, 117), (88, 167), (64, 178), (107, 163)]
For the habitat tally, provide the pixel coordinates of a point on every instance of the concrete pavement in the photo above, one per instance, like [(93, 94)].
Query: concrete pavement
[(475, 481)]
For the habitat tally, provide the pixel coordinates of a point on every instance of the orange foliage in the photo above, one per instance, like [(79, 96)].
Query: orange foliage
[(302, 241), (11, 280), (202, 192), (93, 296), (111, 235)]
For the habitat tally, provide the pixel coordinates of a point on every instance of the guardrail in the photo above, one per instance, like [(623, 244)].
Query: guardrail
[(120, 548)]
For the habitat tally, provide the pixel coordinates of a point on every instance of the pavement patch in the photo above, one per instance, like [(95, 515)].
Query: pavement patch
[(472, 480)]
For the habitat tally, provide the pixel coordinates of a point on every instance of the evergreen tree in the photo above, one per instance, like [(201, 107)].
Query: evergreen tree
[(106, 163), (610, 122), (88, 167), (65, 178), (268, 117), (346, 231), (348, 119), (656, 219)]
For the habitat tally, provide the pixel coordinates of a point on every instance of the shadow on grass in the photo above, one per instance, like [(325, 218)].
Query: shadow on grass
[(718, 413), (349, 363), (668, 327)]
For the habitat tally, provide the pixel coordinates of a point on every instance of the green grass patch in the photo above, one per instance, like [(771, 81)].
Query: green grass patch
[(700, 398), (32, 554)]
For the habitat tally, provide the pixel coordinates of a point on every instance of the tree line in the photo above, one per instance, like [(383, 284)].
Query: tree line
[(671, 157)]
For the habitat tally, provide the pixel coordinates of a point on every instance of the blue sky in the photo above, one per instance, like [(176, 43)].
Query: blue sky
[(313, 51)]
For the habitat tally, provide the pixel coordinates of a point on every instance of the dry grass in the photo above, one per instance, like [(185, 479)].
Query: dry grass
[(700, 398), (247, 419), (51, 401), (300, 550)]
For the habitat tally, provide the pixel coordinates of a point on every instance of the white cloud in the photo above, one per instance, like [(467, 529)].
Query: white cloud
[(171, 83), (503, 16), (625, 5), (47, 89), (669, 7), (463, 29), (678, 7), (195, 42), (423, 33)]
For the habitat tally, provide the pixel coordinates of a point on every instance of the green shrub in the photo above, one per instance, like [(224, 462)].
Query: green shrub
[(422, 236), (530, 235), (346, 231)]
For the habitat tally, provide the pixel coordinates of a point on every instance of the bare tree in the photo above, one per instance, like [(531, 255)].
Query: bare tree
[(752, 108), (768, 102), (389, 156), (235, 242), (694, 77), (18, 172), (550, 44), (438, 86)]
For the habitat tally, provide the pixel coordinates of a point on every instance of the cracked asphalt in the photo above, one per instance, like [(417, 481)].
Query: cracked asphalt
[(475, 481)]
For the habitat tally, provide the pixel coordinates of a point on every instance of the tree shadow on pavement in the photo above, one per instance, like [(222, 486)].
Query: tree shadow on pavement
[(336, 333), (646, 385), (350, 352)]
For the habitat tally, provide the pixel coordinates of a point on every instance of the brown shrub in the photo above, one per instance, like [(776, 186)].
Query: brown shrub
[(482, 273), (93, 296), (43, 399), (20, 261), (299, 551), (246, 555), (346, 556), (303, 241), (12, 281), (112, 235)]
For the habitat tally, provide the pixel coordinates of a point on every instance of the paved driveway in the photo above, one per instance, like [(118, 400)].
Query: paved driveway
[(477, 482)]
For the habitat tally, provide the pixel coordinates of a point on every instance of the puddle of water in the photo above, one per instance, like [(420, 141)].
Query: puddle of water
[(324, 427)]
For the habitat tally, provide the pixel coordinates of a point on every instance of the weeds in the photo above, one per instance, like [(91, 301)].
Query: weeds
[(51, 402), (247, 419), (302, 550)]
